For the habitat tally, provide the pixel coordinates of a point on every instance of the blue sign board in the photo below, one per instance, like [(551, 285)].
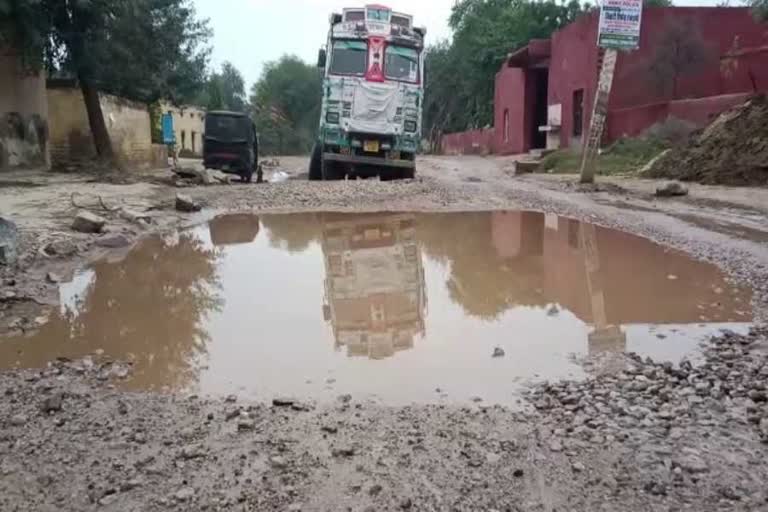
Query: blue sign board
[(169, 137)]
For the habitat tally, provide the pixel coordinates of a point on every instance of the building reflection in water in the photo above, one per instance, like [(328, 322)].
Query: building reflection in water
[(610, 279), (374, 286)]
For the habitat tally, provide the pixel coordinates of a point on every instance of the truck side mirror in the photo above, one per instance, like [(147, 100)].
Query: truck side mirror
[(322, 57)]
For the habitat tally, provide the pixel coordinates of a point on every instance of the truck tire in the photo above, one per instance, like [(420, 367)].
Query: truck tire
[(315, 164), (331, 171), (408, 174)]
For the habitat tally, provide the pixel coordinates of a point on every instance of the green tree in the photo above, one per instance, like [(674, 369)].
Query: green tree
[(760, 8), (460, 75), (140, 49), (285, 103), (224, 90)]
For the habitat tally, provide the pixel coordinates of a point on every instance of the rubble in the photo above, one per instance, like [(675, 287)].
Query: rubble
[(671, 189), (8, 242), (200, 176), (114, 241), (653, 398), (526, 167), (732, 150), (87, 222), (186, 204), (135, 216), (62, 248)]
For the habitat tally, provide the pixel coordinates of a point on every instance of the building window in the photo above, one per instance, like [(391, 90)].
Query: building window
[(578, 112), (183, 139), (506, 125), (193, 141)]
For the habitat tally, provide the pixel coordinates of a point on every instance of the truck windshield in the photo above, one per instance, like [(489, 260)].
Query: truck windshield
[(402, 63), (349, 58)]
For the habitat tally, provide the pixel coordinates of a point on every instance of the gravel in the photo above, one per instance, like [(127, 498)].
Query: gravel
[(647, 436), (601, 444)]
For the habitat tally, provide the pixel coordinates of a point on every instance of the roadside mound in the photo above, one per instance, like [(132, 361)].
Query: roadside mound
[(732, 150)]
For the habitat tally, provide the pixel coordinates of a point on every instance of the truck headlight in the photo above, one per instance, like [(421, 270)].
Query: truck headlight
[(410, 126), (332, 117)]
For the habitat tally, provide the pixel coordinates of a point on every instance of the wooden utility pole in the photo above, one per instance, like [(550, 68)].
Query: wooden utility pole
[(599, 113), (619, 29)]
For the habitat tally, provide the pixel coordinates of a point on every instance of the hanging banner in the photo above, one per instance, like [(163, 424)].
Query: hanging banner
[(620, 24)]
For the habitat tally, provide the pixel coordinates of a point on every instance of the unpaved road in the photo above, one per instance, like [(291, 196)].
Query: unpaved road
[(650, 437)]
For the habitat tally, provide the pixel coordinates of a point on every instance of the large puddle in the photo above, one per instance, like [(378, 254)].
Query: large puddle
[(398, 308)]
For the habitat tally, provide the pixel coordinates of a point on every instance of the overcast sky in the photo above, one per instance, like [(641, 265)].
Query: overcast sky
[(249, 33)]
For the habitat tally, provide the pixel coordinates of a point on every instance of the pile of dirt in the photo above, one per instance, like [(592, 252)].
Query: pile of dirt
[(732, 150)]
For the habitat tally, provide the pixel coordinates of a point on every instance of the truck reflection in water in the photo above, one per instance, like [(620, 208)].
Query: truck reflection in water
[(234, 229), (374, 287), (244, 312)]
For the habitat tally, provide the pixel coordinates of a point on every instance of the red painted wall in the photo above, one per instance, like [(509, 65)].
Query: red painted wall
[(573, 66), (472, 142), (720, 29), (629, 122), (737, 47), (514, 93)]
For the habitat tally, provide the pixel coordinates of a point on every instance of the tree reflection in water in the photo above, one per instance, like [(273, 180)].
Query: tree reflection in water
[(293, 232), (148, 307)]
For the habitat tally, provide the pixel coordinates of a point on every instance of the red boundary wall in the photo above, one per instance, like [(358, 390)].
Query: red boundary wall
[(473, 142), (630, 122), (623, 122)]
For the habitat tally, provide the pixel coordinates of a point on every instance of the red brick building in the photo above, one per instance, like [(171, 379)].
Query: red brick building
[(693, 63)]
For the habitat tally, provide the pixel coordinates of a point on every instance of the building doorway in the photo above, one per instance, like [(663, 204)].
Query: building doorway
[(540, 97)]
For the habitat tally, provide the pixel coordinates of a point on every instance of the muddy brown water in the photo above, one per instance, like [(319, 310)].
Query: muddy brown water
[(398, 308)]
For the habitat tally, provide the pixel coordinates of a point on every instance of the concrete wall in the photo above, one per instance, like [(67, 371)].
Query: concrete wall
[(128, 124), (23, 115), (189, 127)]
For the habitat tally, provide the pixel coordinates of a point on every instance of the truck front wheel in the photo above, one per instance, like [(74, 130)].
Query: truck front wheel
[(315, 164), (332, 171)]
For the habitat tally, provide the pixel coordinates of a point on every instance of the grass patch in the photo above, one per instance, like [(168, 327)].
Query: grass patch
[(625, 156)]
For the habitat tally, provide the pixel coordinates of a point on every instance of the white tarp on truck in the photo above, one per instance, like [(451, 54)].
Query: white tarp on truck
[(374, 108)]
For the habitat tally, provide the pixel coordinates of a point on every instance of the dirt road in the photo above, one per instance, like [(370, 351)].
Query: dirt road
[(651, 436)]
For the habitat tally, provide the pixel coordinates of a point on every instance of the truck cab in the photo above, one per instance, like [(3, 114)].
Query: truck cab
[(373, 89)]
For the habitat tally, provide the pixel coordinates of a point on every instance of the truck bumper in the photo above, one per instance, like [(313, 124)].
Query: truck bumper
[(369, 160)]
